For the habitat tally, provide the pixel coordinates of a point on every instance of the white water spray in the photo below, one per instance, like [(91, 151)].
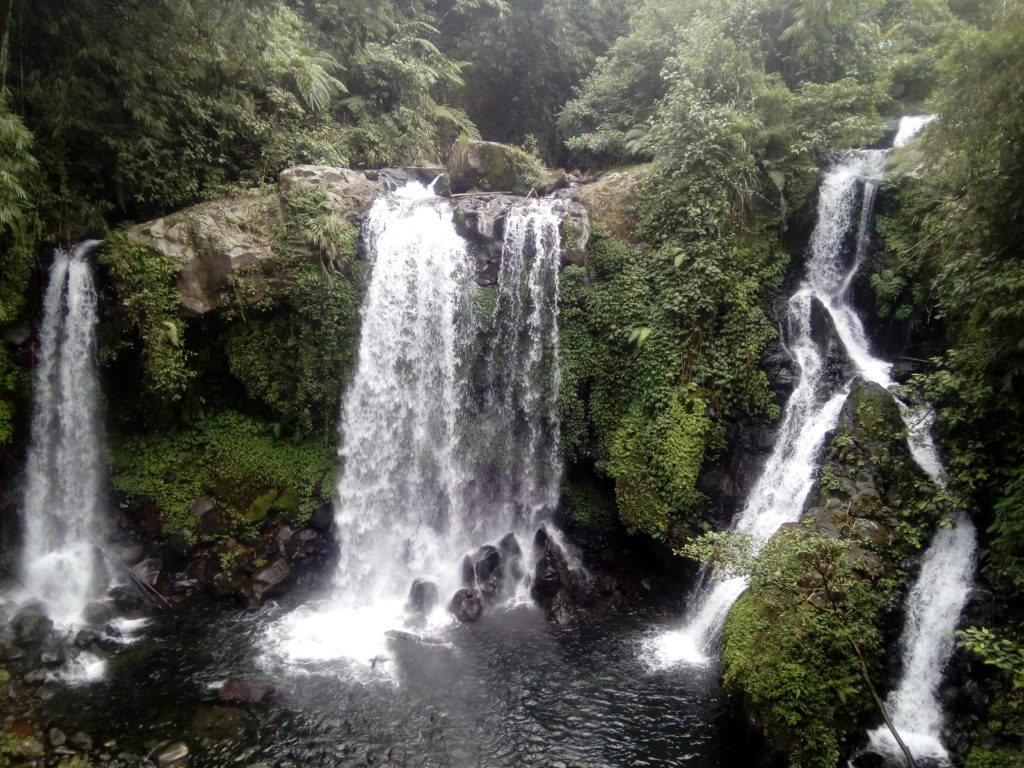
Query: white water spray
[(60, 561), (413, 496)]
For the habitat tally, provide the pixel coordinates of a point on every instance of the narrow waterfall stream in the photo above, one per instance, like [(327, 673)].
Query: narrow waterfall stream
[(937, 598), (60, 562), (432, 468)]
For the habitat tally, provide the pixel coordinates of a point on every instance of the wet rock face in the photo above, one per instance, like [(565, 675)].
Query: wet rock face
[(480, 219), (423, 597), (552, 586), (466, 605), (483, 570), (838, 366), (31, 625), (271, 578)]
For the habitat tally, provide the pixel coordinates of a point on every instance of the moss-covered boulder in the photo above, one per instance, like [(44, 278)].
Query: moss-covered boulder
[(487, 166), (243, 247), (611, 200)]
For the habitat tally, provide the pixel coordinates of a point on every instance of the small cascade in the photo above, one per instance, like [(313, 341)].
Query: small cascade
[(449, 429), (61, 564), (523, 370), (811, 412), (937, 598), (933, 607)]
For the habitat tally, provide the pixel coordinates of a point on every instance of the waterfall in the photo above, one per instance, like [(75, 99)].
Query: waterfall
[(60, 562), (449, 428), (936, 600), (933, 607), (811, 412)]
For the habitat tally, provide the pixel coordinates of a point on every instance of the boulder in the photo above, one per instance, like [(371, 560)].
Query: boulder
[(466, 605), (239, 690), (552, 587), (483, 570), (97, 613), (82, 741), (611, 200), (217, 242), (170, 754), (271, 578), (322, 518), (422, 597), (148, 571), (488, 166), (210, 521), (31, 624)]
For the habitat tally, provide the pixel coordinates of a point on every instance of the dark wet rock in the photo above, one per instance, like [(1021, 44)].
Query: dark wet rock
[(148, 571), (423, 596), (483, 570), (838, 366), (127, 599), (31, 748), (52, 657), (238, 690), (56, 737), (552, 586), (210, 521), (322, 518), (170, 754), (284, 537), (31, 624), (509, 546), (97, 613), (35, 676), (82, 741), (466, 605), (130, 554), (271, 578), (11, 652), (481, 221), (219, 723)]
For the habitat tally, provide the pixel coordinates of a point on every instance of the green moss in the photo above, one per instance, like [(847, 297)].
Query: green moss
[(235, 459), (145, 283), (995, 758), (296, 355), (260, 507)]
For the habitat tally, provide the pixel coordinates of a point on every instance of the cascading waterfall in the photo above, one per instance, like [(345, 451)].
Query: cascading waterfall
[(937, 598), (811, 412), (60, 561), (523, 370), (432, 468)]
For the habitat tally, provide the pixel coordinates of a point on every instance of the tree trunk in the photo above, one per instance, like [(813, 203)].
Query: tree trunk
[(881, 706)]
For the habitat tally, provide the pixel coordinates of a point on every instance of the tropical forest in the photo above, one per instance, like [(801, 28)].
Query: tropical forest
[(512, 383)]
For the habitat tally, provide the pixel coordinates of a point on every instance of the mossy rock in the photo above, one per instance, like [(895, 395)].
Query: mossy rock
[(487, 166), (286, 501), (261, 506)]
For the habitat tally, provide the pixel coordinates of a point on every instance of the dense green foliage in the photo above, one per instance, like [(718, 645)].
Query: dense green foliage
[(145, 283), (233, 459)]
